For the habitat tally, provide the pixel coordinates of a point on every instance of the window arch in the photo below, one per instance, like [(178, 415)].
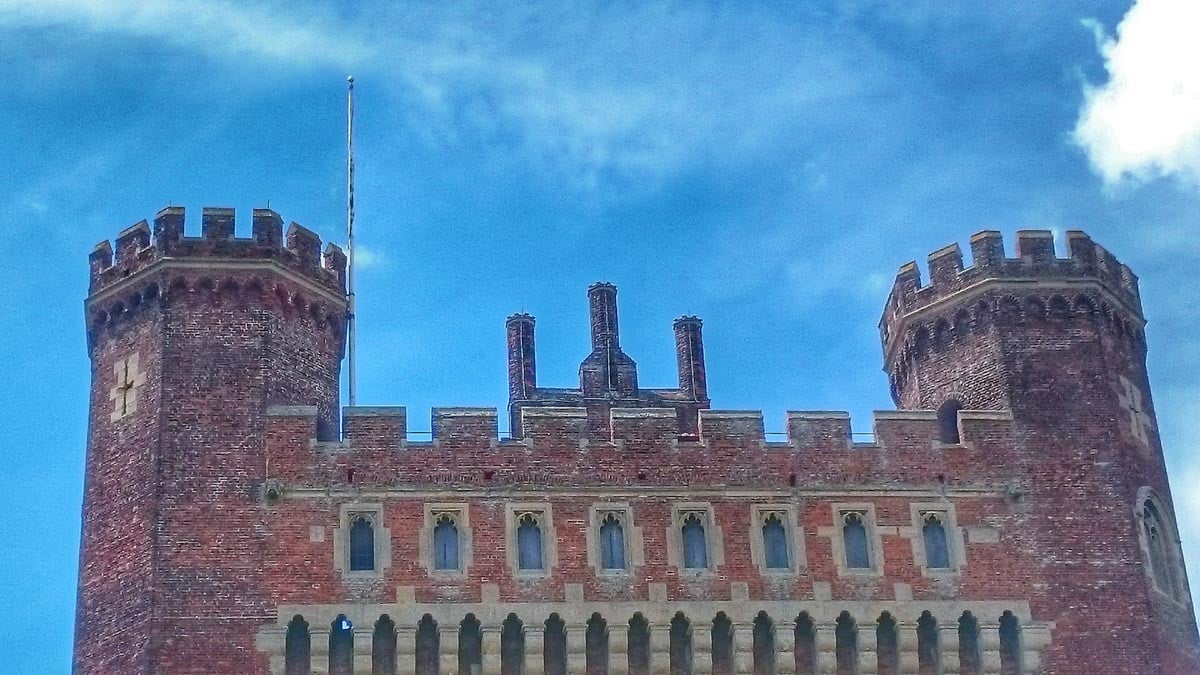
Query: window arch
[(947, 416), (680, 645), (297, 648), (854, 536), (806, 645), (446, 543), (1160, 546), (512, 646), (529, 542), (969, 655), (341, 646), (1010, 645), (428, 646), (612, 543), (596, 646), (639, 645), (383, 647), (470, 646), (695, 543), (887, 646), (937, 546), (928, 654), (362, 544), (763, 644), (845, 643), (722, 645), (554, 646), (775, 546)]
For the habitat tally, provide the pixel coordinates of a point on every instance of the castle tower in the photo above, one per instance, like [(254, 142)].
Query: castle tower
[(1060, 343), (190, 339)]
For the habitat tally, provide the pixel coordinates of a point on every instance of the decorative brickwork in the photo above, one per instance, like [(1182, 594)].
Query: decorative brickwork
[(1014, 511)]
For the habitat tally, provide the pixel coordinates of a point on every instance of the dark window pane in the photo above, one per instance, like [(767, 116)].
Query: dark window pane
[(529, 544), (297, 647), (854, 535), (445, 545), (612, 544), (362, 545), (695, 548), (937, 552), (775, 543)]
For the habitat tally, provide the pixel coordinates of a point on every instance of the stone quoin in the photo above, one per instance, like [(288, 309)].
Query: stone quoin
[(1012, 515)]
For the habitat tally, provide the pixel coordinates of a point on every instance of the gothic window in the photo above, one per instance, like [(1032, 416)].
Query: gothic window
[(937, 548), (362, 544), (639, 645), (1010, 645), (297, 648), (969, 656), (1160, 548), (854, 537), (764, 645), (681, 645), (806, 645), (512, 646), (846, 645), (445, 543), (428, 646), (775, 546), (341, 646), (612, 543), (695, 544), (554, 649), (596, 646), (722, 645), (948, 422), (928, 655), (529, 542), (470, 646), (383, 647)]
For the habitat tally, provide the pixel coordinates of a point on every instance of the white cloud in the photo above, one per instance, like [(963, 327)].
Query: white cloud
[(211, 26), (367, 257), (1145, 121)]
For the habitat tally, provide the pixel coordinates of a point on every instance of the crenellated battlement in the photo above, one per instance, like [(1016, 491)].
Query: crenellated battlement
[(141, 246)]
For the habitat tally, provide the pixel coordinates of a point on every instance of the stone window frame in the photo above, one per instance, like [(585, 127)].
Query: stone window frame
[(461, 513), (126, 371), (635, 554), (513, 512), (714, 540), (956, 540), (875, 534), (1149, 494), (373, 512), (797, 560)]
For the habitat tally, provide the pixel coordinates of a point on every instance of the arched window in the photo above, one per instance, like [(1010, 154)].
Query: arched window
[(612, 543), (297, 647), (362, 544), (554, 647), (470, 646), (428, 646), (764, 645), (854, 536), (947, 416), (775, 548), (722, 645), (695, 545), (887, 647), (1010, 645), (512, 646), (681, 645), (845, 644), (928, 654), (937, 549), (969, 656), (639, 645), (383, 647), (596, 646), (806, 645), (1161, 548), (341, 646), (445, 543), (529, 543)]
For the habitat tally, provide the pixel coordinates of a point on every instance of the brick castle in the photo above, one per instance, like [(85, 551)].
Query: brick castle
[(1012, 515)]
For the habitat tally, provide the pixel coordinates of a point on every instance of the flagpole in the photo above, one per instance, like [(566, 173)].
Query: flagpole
[(350, 237)]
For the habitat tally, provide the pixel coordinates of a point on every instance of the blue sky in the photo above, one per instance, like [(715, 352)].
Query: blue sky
[(767, 166)]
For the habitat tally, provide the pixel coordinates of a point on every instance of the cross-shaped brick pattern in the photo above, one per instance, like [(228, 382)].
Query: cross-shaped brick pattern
[(124, 393), (1130, 399)]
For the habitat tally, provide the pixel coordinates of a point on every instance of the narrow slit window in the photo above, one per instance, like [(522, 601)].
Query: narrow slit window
[(806, 645), (554, 646), (596, 646), (612, 543), (937, 548), (362, 545), (428, 646), (887, 646), (775, 546), (681, 645), (695, 544), (969, 656), (529, 543), (1010, 645), (763, 636), (948, 422), (854, 536), (297, 648), (845, 645), (341, 646), (512, 646), (445, 544), (383, 647), (639, 645), (470, 646), (928, 654), (722, 645)]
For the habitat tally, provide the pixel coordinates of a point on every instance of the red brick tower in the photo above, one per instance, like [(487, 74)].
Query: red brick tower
[(1060, 343), (190, 339)]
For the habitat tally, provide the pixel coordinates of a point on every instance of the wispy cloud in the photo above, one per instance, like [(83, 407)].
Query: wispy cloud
[(1145, 121), (211, 26)]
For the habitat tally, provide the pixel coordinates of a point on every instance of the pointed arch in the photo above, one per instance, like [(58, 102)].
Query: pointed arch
[(428, 646), (936, 544), (764, 645), (554, 647), (846, 644), (446, 543), (341, 646), (722, 644), (383, 647), (887, 645), (362, 544), (512, 646), (639, 645), (681, 645), (297, 648), (806, 645), (612, 543), (596, 646), (1160, 546), (470, 646)]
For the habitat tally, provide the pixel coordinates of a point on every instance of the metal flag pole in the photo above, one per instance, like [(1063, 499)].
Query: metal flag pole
[(350, 236)]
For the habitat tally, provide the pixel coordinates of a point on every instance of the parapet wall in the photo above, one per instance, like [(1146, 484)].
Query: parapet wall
[(1035, 260), (138, 247)]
